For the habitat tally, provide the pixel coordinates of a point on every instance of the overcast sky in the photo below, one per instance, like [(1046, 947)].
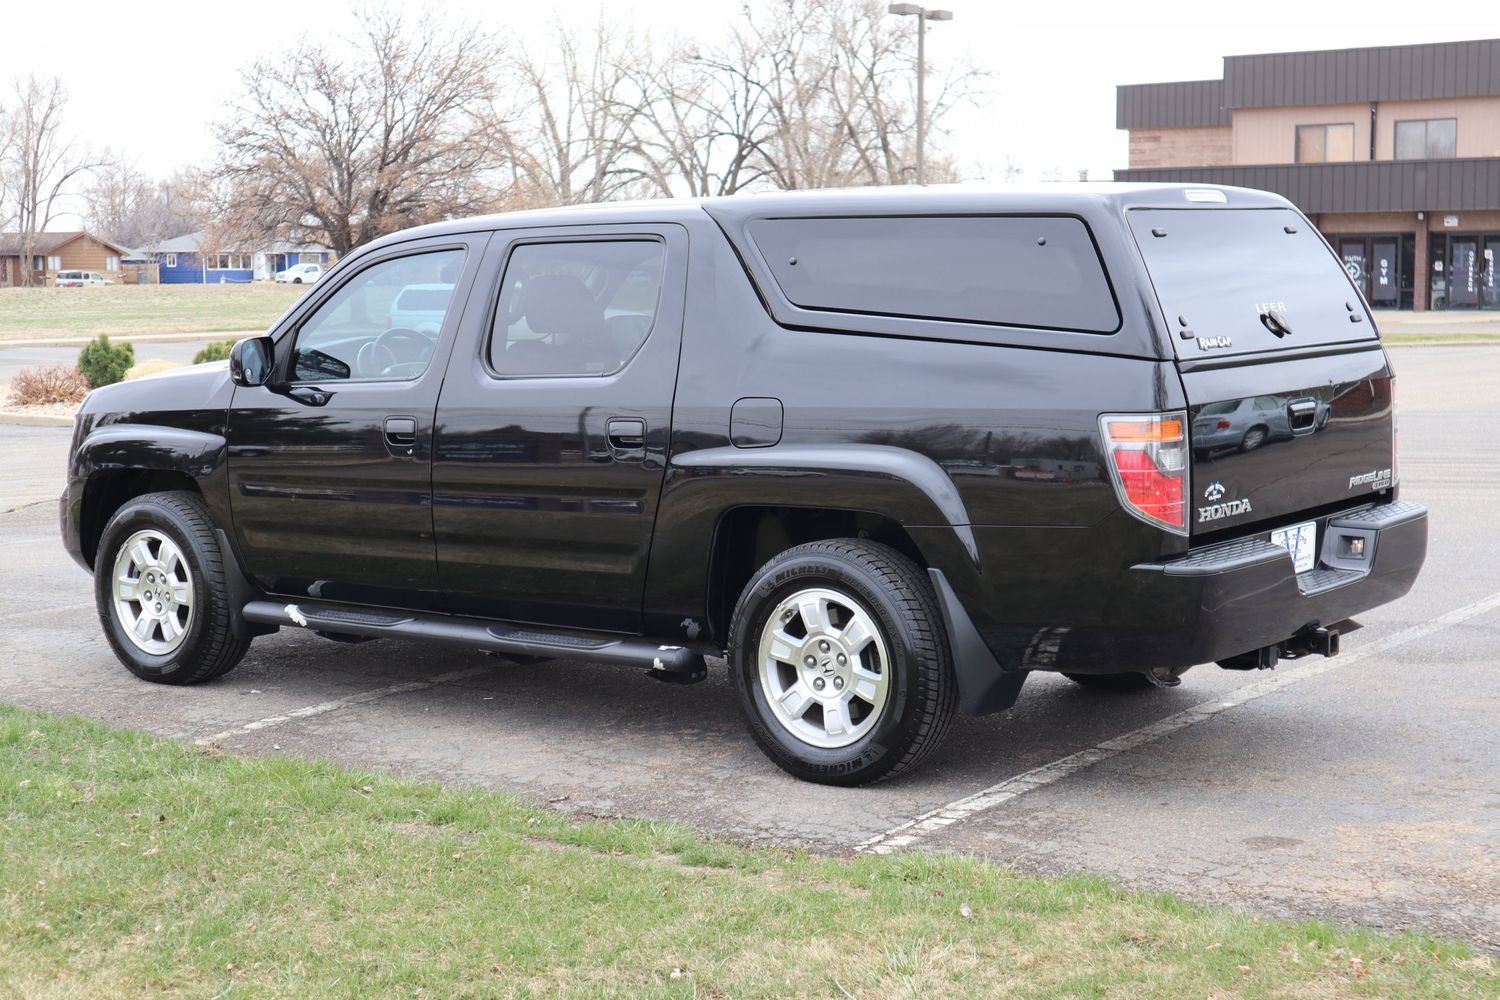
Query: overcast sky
[(150, 79)]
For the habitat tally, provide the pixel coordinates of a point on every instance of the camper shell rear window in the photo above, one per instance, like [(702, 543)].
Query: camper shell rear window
[(1039, 271)]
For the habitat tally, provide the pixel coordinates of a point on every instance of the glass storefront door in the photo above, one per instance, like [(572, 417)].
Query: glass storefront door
[(1463, 271), (1381, 266), (1489, 282)]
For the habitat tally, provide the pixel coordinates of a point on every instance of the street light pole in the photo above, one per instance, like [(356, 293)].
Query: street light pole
[(923, 15)]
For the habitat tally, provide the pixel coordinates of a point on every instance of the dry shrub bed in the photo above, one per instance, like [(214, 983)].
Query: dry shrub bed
[(49, 384)]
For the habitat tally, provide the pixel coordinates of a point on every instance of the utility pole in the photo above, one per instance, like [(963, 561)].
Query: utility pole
[(923, 15)]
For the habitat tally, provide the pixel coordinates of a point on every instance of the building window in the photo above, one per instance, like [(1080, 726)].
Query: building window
[(1430, 139), (1325, 143), (111, 263), (171, 260), (54, 263), (38, 264)]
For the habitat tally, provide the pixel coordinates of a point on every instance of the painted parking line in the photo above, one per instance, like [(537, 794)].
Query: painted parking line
[(913, 831), (64, 609), (323, 708)]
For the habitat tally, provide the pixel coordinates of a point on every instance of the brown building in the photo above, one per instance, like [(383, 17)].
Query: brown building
[(53, 252), (1394, 153)]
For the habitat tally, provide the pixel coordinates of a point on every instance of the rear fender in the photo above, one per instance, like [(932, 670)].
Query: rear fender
[(904, 486)]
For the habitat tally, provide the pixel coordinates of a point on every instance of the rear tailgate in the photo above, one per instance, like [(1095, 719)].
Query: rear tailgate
[(1289, 392)]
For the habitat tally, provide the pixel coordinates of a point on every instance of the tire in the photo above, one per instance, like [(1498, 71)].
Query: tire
[(166, 538), (1253, 439), (1162, 677), (296, 281), (895, 683)]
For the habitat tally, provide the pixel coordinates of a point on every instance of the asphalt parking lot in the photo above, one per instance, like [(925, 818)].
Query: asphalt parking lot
[(1364, 789)]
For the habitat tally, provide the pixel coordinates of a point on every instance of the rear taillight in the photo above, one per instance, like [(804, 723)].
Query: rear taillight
[(1222, 425), (1147, 455)]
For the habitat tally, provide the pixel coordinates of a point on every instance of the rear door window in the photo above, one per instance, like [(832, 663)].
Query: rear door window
[(1028, 271), (1217, 272), (576, 307)]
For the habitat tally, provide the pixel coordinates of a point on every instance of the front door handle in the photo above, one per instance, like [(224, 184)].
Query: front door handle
[(627, 437), (401, 434)]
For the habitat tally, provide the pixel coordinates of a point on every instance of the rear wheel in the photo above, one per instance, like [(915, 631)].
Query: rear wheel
[(1253, 439), (841, 664), (160, 588)]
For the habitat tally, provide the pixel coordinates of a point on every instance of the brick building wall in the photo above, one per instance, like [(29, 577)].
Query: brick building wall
[(1172, 147)]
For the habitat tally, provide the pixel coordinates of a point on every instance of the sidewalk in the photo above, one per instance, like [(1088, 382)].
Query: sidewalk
[(1443, 321), (144, 338)]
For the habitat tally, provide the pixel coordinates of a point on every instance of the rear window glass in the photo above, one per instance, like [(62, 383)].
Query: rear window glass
[(1034, 271), (1221, 269)]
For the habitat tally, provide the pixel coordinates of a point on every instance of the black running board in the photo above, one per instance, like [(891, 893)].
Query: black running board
[(479, 634)]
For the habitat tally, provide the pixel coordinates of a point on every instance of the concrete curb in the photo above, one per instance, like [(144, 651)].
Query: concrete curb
[(144, 338), (14, 418)]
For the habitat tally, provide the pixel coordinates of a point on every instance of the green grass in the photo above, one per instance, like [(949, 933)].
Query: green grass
[(124, 310), (138, 867)]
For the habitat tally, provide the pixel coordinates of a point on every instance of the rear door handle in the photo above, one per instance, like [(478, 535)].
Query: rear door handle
[(401, 434), (627, 437)]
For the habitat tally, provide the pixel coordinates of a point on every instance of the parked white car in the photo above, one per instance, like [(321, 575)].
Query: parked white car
[(421, 308), (300, 274), (77, 279)]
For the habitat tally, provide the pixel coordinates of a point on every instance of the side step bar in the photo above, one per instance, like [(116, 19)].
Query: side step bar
[(678, 661)]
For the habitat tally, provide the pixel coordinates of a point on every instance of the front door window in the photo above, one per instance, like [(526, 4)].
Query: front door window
[(359, 333)]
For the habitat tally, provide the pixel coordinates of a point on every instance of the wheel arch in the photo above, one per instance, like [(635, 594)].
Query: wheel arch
[(119, 462), (720, 507), (748, 536)]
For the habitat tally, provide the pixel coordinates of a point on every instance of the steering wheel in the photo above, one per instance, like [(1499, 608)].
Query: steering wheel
[(384, 354)]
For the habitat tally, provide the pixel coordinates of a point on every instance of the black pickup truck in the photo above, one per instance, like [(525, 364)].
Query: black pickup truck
[(886, 451)]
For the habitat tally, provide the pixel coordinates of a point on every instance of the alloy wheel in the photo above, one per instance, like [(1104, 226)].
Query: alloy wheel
[(824, 668), (153, 592)]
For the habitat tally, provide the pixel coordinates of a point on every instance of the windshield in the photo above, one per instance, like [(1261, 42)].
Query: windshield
[(1217, 272)]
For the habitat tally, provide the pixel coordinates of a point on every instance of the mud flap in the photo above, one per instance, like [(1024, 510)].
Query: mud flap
[(984, 686)]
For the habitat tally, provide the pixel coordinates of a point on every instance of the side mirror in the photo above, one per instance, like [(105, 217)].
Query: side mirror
[(250, 361)]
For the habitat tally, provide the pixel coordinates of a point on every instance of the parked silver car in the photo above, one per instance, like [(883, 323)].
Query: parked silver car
[(1245, 424)]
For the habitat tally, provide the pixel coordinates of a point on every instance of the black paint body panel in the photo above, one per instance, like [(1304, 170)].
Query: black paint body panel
[(980, 441)]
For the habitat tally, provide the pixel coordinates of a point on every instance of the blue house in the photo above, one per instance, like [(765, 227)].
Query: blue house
[(183, 261)]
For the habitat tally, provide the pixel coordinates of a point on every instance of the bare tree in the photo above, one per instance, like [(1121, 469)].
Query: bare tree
[(43, 163), (802, 93), (7, 208), (571, 138), (124, 205), (343, 146)]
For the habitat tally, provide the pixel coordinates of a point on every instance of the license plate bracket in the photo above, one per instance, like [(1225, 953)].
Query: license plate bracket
[(1300, 542)]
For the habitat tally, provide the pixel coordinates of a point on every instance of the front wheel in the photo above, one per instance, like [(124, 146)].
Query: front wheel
[(159, 584), (841, 664)]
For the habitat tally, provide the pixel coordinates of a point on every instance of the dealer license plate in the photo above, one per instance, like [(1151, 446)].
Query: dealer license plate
[(1301, 540)]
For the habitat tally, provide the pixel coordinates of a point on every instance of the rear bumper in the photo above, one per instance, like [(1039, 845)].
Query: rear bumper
[(1239, 596)]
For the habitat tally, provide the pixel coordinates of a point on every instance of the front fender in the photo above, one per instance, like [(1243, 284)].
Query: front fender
[(107, 449)]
